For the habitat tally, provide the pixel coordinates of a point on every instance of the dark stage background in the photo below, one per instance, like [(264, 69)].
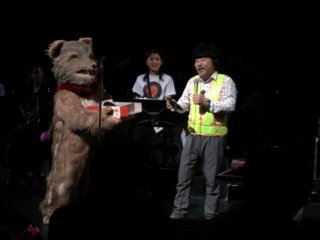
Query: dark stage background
[(270, 50)]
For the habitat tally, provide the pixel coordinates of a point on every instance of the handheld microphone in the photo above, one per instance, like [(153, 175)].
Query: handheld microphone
[(196, 82), (174, 103)]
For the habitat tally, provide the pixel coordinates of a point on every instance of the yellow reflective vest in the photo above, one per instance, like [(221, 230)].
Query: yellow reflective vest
[(207, 124)]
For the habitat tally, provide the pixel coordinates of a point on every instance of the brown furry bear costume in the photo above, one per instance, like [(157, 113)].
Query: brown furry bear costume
[(75, 128)]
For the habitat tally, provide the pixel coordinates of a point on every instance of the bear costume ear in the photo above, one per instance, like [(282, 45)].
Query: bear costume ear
[(86, 40), (55, 48)]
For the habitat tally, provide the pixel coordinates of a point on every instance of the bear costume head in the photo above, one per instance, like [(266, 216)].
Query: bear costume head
[(74, 66)]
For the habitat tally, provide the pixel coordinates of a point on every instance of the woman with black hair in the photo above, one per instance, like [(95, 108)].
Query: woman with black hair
[(153, 135), (154, 83)]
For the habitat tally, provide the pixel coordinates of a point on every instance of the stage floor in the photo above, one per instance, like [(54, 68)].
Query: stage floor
[(143, 212)]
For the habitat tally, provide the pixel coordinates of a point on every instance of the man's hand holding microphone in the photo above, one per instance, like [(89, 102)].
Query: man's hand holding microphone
[(199, 99), (202, 101)]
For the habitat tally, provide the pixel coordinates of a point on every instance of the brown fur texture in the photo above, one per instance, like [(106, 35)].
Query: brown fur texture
[(75, 128)]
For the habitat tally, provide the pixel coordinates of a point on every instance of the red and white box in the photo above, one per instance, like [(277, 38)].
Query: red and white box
[(127, 109), (121, 110)]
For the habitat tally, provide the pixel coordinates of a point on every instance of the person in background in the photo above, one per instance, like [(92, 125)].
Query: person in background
[(2, 90), (209, 97), (154, 83), (32, 110)]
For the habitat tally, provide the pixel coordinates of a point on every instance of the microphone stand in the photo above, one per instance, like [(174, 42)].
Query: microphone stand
[(101, 76)]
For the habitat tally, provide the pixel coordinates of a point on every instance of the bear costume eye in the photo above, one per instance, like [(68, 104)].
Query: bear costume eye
[(73, 56)]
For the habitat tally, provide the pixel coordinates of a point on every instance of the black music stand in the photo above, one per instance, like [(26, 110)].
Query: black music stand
[(153, 108), (159, 144)]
